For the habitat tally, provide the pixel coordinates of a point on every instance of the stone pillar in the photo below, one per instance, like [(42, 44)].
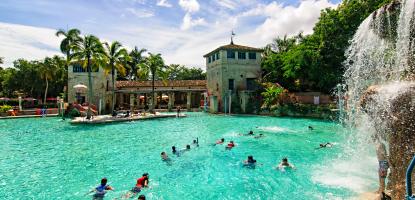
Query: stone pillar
[(171, 101), (155, 100), (121, 100), (131, 102), (189, 101)]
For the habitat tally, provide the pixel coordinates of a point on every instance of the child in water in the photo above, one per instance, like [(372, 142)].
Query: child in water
[(101, 190), (285, 164), (230, 145)]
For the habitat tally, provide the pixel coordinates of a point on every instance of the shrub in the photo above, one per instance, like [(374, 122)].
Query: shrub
[(74, 113), (5, 108)]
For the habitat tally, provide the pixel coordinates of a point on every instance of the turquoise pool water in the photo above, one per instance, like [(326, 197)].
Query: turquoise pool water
[(46, 158)]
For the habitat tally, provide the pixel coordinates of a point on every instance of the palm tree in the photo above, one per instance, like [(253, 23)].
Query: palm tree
[(153, 64), (114, 56), (90, 52), (136, 60), (47, 70), (71, 37)]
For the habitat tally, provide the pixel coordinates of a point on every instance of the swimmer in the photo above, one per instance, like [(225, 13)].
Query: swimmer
[(196, 142), (285, 164), (250, 162), (142, 197), (221, 141), (101, 190), (310, 128), (259, 136), (164, 156), (328, 144), (230, 145), (143, 181), (173, 150), (250, 133)]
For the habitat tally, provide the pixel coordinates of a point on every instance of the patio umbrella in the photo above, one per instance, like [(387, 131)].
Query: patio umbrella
[(80, 86)]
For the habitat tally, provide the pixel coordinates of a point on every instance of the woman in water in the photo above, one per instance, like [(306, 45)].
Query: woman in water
[(141, 182), (221, 141), (230, 145)]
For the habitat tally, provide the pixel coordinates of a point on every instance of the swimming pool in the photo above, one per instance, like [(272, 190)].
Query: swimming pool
[(46, 158)]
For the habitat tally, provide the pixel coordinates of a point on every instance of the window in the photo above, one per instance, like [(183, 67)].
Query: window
[(217, 56), (250, 84), (77, 68), (231, 84), (252, 55), (209, 60), (241, 55), (230, 54), (213, 57)]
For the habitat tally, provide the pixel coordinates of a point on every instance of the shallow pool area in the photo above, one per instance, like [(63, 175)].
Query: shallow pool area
[(46, 158)]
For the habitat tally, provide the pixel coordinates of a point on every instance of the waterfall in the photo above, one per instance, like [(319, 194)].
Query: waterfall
[(380, 60)]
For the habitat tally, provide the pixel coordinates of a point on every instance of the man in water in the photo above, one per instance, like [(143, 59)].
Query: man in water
[(250, 133), (250, 162), (383, 165), (187, 148), (310, 128), (174, 151), (142, 197), (101, 190), (328, 144), (285, 164)]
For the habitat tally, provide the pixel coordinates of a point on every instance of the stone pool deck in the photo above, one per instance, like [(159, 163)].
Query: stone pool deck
[(104, 119)]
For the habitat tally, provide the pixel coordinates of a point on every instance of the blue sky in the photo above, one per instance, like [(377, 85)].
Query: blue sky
[(181, 30)]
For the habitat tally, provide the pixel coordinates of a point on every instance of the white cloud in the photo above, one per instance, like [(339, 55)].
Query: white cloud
[(140, 13), (164, 3), (287, 20), (18, 41), (227, 4), (182, 45), (189, 5), (189, 22)]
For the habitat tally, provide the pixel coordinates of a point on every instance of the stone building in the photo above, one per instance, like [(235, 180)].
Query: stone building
[(101, 86), (232, 72)]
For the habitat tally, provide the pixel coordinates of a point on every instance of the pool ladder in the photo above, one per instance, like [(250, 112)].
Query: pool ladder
[(409, 195)]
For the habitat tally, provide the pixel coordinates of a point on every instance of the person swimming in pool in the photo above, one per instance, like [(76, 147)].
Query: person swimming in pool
[(196, 142), (250, 133), (142, 197), (259, 136), (328, 144), (187, 148), (310, 128), (221, 141), (101, 190), (250, 162), (164, 156), (230, 145), (141, 183), (285, 164)]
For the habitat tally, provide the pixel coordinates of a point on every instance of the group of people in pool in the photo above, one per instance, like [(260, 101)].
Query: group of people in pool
[(98, 193)]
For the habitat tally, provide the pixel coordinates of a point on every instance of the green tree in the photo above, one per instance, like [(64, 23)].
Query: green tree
[(114, 54), (90, 52), (47, 70), (1, 60), (70, 38), (152, 65), (136, 58)]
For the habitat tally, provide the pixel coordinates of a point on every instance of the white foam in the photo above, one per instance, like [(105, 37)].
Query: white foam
[(275, 129), (357, 175)]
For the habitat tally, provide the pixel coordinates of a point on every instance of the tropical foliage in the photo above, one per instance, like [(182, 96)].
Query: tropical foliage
[(152, 65), (314, 62)]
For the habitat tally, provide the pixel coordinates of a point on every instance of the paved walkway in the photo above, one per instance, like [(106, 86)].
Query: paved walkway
[(103, 119)]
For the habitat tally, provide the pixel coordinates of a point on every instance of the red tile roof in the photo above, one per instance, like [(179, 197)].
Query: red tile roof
[(173, 83), (234, 47)]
